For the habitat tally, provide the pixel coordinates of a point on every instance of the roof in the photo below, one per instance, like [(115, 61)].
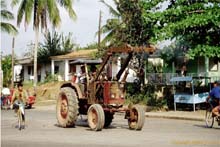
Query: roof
[(87, 61), (23, 61), (76, 54)]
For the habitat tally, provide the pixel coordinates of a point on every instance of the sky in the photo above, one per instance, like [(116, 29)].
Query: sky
[(83, 29)]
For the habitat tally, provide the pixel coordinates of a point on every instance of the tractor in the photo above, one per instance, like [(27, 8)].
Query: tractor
[(101, 96)]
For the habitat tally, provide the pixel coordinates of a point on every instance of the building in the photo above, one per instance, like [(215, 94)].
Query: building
[(24, 70)]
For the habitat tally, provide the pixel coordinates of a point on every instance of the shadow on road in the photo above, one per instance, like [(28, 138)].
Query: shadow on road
[(204, 126), (84, 123)]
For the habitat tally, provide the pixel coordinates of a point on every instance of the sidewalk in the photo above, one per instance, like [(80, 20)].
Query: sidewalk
[(198, 115)]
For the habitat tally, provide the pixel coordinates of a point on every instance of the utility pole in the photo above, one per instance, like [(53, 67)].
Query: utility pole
[(1, 73), (99, 32), (12, 62)]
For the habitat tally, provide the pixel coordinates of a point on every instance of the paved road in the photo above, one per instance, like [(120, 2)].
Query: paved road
[(42, 131)]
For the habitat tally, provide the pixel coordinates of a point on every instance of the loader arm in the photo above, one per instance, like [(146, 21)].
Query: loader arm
[(124, 66)]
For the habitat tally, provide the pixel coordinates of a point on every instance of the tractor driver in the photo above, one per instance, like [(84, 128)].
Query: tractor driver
[(82, 76)]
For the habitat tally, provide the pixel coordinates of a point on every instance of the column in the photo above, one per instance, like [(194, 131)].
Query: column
[(52, 67), (66, 74)]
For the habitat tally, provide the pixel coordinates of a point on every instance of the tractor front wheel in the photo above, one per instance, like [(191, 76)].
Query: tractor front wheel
[(136, 118), (96, 117)]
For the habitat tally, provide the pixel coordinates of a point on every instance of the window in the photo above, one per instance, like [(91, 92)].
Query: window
[(29, 70), (213, 64)]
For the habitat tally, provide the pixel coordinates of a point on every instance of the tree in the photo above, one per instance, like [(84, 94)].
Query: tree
[(197, 22), (6, 67), (67, 43), (41, 11), (133, 22), (7, 15), (113, 25), (54, 44)]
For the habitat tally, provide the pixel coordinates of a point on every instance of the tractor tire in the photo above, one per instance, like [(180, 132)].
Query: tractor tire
[(137, 122), (96, 117), (108, 119), (67, 107)]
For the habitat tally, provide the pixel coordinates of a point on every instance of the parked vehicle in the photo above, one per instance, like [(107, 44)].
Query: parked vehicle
[(5, 98), (100, 96)]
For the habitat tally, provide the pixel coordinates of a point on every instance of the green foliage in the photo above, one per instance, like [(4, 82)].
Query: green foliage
[(51, 78), (205, 51), (131, 23), (146, 96), (54, 44), (6, 15), (170, 53), (7, 72), (67, 44), (195, 22), (42, 11)]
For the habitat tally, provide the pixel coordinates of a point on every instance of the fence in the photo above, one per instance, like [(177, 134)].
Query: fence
[(164, 78)]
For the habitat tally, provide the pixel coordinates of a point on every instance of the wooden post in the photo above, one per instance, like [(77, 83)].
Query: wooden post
[(1, 73), (12, 63), (99, 29), (206, 69)]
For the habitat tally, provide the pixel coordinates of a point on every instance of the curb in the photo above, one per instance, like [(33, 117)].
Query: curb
[(174, 117)]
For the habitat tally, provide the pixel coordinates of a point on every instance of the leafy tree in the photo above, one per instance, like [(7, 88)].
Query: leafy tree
[(170, 53), (7, 15), (113, 25), (197, 22), (41, 11), (54, 44), (67, 44), (6, 67), (133, 22)]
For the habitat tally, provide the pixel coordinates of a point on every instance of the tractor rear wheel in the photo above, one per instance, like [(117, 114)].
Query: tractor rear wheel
[(137, 118), (67, 107), (96, 117)]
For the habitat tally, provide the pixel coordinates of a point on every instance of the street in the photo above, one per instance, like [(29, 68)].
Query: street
[(42, 130)]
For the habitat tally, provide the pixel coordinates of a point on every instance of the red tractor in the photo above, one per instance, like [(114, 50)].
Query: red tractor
[(101, 96)]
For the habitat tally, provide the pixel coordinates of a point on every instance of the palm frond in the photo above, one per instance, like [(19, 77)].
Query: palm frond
[(67, 4), (108, 37), (14, 2), (3, 4), (112, 11), (7, 15), (53, 12), (21, 11), (8, 28), (28, 10)]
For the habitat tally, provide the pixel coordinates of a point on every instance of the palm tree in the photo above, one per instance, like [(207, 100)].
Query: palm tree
[(113, 25), (7, 15), (8, 28), (41, 11)]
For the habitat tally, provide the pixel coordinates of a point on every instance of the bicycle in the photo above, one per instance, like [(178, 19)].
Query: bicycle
[(20, 114), (209, 118)]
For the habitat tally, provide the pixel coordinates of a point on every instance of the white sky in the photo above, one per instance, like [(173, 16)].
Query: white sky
[(83, 29)]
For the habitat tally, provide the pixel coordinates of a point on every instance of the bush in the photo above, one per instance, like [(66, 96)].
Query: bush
[(146, 96), (51, 78)]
